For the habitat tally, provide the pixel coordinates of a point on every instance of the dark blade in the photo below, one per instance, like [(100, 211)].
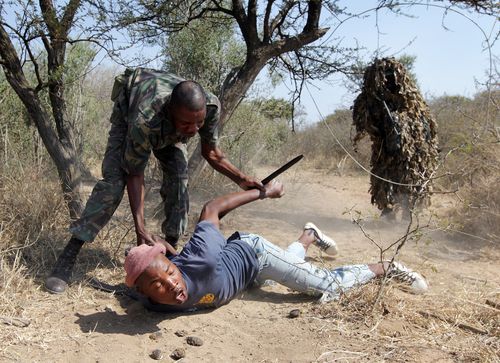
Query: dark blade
[(285, 167)]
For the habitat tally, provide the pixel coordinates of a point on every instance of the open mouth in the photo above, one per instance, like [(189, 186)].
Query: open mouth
[(180, 296)]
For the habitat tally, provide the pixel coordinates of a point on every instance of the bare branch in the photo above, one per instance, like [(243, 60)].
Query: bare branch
[(241, 18), (50, 17), (36, 67), (298, 90), (279, 19), (292, 43), (26, 42), (251, 23), (220, 8), (313, 14), (69, 15), (11, 62), (266, 25)]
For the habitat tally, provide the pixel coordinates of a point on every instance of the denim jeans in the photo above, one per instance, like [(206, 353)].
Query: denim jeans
[(291, 270)]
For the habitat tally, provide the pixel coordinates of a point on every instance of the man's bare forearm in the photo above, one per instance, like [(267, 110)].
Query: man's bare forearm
[(214, 210), (135, 190), (218, 207), (217, 160)]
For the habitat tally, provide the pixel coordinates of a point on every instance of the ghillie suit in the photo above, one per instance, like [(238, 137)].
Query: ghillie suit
[(403, 134)]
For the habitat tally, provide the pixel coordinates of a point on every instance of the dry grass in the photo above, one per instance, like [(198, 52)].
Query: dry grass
[(29, 218), (33, 229), (401, 327), (451, 323), (325, 144), (468, 132), (478, 210)]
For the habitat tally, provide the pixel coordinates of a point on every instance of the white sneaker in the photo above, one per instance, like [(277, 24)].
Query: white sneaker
[(401, 273), (324, 242)]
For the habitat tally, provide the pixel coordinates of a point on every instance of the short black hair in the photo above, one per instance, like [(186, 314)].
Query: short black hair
[(189, 94)]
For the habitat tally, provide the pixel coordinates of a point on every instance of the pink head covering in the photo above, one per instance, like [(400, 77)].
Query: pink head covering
[(138, 259)]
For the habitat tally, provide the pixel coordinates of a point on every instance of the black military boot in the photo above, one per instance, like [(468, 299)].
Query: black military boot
[(57, 282)]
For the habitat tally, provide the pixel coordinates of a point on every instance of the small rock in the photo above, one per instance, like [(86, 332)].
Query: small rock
[(156, 335), (195, 341), (181, 333), (178, 353), (295, 313), (156, 354)]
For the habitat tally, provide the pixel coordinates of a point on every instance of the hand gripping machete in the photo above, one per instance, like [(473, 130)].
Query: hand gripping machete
[(284, 168)]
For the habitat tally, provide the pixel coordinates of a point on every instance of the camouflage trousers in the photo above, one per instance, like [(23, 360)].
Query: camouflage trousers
[(108, 192)]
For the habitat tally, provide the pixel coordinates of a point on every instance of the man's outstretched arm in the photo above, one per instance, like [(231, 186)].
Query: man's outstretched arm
[(135, 190), (214, 210), (217, 160)]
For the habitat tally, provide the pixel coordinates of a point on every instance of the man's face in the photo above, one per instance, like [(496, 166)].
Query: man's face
[(187, 122), (164, 283)]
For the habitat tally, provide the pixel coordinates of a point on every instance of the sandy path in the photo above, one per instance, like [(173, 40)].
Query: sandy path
[(91, 326)]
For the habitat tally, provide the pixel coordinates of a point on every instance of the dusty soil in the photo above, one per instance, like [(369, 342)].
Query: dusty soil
[(87, 325)]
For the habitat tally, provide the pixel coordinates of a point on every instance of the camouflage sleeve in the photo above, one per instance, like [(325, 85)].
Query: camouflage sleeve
[(137, 150), (209, 133)]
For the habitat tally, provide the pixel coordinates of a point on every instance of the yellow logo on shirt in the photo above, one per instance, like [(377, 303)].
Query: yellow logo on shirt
[(207, 299)]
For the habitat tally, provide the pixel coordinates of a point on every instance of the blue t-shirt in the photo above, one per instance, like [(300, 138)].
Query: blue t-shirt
[(215, 270)]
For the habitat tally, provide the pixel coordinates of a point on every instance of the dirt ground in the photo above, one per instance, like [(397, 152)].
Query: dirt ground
[(451, 323)]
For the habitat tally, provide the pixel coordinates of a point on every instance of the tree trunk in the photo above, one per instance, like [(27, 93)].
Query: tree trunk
[(63, 153), (236, 88), (64, 156)]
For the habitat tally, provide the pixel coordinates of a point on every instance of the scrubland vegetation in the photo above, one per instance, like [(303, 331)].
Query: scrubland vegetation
[(33, 213), (50, 143)]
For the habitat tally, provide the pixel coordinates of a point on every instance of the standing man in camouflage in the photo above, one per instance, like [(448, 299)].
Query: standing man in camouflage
[(158, 112)]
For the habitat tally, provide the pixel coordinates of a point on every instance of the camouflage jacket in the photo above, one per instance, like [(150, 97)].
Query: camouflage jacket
[(145, 94)]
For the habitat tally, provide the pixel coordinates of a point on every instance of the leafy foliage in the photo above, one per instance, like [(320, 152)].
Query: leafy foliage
[(18, 137), (205, 50)]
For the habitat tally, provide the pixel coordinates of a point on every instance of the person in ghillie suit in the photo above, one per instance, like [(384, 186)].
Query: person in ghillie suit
[(391, 110), (154, 112)]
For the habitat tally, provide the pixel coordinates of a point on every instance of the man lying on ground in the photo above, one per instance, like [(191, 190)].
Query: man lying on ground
[(210, 271)]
